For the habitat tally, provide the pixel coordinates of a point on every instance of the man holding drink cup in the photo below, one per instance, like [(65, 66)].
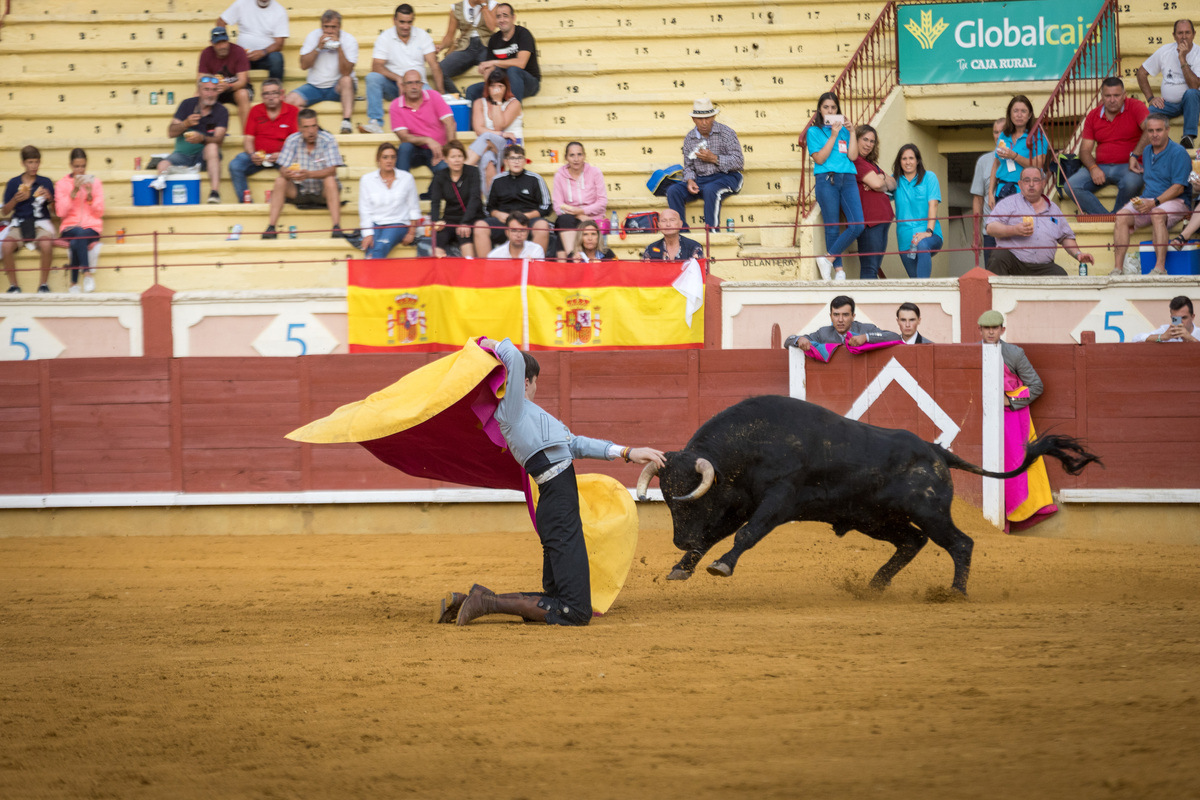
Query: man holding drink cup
[(1028, 227), (1164, 201)]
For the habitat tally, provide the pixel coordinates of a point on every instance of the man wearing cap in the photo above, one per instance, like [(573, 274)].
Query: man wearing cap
[(229, 62), (712, 164), (262, 30), (1028, 227), (1027, 498)]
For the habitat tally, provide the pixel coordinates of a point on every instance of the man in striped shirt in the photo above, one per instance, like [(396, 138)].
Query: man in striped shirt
[(712, 165)]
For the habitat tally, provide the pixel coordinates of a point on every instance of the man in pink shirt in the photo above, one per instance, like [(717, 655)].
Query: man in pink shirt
[(423, 122)]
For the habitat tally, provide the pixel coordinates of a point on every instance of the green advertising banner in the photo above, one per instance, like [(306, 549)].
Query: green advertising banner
[(1026, 40)]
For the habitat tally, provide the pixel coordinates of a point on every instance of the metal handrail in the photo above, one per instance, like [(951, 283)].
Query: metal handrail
[(1078, 91)]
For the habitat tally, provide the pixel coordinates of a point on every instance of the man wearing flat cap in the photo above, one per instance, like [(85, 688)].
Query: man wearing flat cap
[(1027, 498), (712, 165)]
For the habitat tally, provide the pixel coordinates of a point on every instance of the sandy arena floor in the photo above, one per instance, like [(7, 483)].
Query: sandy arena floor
[(309, 667)]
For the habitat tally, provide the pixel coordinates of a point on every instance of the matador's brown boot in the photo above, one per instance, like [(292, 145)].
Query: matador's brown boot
[(452, 602), (480, 603)]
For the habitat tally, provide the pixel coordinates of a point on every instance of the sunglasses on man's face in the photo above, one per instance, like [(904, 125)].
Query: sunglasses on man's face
[(210, 79)]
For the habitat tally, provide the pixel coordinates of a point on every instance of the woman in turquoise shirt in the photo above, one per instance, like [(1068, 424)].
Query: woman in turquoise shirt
[(1013, 152), (918, 232), (833, 149)]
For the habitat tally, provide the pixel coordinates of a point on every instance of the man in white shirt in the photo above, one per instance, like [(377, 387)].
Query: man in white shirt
[(262, 30), (397, 50), (1181, 329), (329, 54), (1179, 64), (518, 244)]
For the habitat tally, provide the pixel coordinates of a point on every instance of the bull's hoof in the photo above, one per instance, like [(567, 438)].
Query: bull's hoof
[(678, 574), (720, 569)]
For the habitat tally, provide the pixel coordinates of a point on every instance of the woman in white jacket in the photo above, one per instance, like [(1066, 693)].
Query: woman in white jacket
[(388, 205)]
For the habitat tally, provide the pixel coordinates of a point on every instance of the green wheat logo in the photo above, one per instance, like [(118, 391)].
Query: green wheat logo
[(926, 33)]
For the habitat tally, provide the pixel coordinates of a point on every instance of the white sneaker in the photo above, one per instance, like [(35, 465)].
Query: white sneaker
[(371, 127), (347, 127), (839, 274), (89, 283), (826, 267), (74, 288), (159, 183)]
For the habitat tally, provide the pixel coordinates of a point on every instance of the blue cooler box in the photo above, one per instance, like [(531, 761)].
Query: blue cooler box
[(1179, 262), (462, 113), (143, 193), (182, 190)]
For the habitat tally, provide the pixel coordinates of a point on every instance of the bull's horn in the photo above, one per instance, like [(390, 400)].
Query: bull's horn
[(707, 473), (648, 472)]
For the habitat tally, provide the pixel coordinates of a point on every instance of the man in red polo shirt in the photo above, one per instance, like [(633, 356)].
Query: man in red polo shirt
[(1113, 135), (269, 124), (423, 122)]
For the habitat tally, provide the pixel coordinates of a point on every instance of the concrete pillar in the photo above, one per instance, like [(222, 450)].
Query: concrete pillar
[(975, 297), (157, 338)]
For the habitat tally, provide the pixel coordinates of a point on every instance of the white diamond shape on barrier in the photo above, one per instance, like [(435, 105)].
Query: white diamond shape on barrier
[(893, 371), (22, 338)]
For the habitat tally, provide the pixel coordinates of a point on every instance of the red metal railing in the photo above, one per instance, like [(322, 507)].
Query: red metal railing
[(862, 87), (1078, 91)]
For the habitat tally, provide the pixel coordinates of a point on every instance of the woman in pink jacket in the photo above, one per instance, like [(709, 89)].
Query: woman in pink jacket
[(79, 203), (579, 195)]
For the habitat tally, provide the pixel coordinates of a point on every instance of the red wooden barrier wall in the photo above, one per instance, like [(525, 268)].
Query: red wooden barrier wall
[(217, 425)]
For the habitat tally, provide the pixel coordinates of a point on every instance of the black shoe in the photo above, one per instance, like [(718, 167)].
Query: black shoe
[(214, 197), (269, 233), (355, 239), (337, 233), (1188, 142), (43, 289), (424, 196), (14, 289)]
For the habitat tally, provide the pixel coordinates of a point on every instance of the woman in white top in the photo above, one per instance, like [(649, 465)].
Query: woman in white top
[(496, 118), (388, 205)]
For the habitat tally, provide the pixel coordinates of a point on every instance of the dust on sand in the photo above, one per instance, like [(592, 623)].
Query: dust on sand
[(309, 667)]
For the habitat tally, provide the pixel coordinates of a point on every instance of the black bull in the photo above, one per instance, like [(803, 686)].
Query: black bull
[(770, 460)]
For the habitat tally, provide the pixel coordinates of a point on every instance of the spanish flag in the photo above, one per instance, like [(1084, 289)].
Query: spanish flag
[(432, 305)]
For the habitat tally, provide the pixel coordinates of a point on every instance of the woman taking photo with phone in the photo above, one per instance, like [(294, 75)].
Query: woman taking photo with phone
[(873, 186), (833, 148), (79, 203), (918, 232)]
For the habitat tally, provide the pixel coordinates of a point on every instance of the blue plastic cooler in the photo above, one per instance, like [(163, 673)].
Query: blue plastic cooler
[(182, 190), (143, 193)]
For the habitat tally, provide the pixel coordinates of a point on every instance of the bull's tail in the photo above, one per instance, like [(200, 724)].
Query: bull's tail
[(1067, 450)]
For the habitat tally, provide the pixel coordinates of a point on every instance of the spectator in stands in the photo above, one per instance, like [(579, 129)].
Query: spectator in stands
[(874, 186), (1164, 200), (198, 127), (587, 247), (672, 246), (1193, 223), (79, 204), (29, 200), (712, 165), (516, 189), (834, 149), (388, 208), (229, 62), (579, 196), (262, 30), (1014, 151), (472, 22), (1029, 227), (329, 54), (308, 175), (1182, 327), (457, 187), (1179, 95), (496, 119), (270, 123), (843, 329), (918, 231), (517, 246), (397, 50), (908, 319), (423, 122), (981, 201), (513, 49), (1112, 133)]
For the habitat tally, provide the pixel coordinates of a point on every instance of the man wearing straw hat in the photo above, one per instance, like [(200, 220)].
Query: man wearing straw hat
[(712, 165)]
